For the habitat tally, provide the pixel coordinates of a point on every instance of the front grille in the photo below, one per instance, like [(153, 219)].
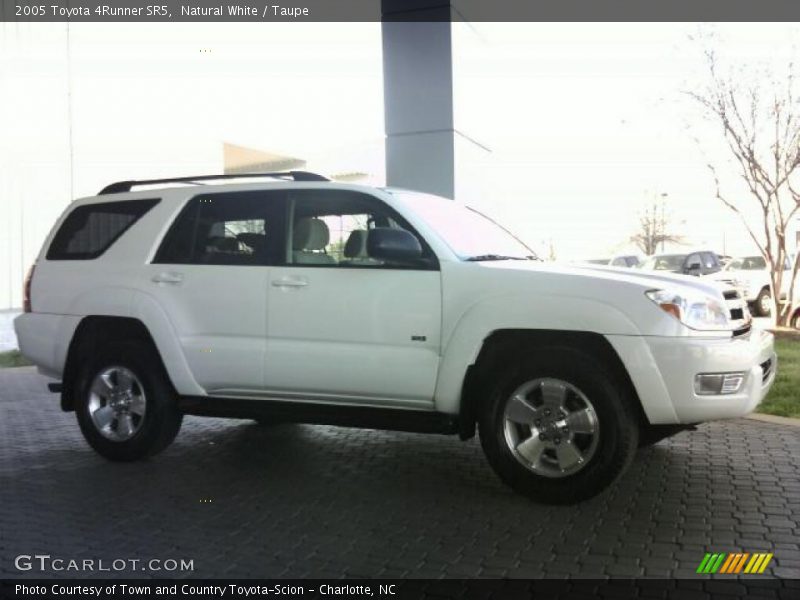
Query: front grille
[(766, 370), (742, 330), (737, 309)]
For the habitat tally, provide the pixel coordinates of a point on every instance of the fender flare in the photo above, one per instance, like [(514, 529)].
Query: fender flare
[(121, 301), (512, 311)]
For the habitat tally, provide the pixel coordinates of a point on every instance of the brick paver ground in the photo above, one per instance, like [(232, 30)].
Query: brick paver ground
[(242, 500)]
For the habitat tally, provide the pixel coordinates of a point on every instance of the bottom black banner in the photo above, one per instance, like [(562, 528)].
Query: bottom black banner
[(780, 589)]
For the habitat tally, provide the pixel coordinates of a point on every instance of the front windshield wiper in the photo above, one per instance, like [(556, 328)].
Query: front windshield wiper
[(482, 257)]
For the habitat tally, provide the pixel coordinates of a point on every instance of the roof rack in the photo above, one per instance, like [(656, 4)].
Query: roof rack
[(125, 186)]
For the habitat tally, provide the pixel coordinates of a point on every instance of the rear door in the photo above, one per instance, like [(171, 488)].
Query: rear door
[(210, 276), (343, 326)]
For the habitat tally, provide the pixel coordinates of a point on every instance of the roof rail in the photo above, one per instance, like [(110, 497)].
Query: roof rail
[(125, 186)]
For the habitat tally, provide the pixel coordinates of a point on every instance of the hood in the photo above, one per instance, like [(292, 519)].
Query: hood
[(742, 274), (646, 280), (658, 279), (620, 291)]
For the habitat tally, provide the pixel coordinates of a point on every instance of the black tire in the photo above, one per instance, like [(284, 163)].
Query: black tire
[(617, 435), (162, 419), (795, 320), (758, 305)]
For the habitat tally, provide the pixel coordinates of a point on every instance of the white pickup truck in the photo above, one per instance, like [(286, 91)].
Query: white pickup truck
[(750, 276), (292, 298)]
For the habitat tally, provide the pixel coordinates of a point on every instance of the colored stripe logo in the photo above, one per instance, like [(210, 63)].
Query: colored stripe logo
[(734, 563)]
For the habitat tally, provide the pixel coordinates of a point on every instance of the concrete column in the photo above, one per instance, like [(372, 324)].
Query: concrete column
[(423, 144)]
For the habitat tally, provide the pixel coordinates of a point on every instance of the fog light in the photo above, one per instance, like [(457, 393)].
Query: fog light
[(715, 384)]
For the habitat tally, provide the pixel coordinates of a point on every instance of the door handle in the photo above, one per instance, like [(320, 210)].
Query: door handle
[(170, 277), (289, 282)]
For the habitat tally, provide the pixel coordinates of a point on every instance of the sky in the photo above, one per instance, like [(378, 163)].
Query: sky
[(585, 123), (591, 122)]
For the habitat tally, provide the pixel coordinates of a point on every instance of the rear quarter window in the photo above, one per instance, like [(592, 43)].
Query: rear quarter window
[(91, 229)]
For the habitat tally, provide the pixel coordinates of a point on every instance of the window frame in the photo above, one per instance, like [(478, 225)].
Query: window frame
[(428, 262), (271, 213), (54, 254)]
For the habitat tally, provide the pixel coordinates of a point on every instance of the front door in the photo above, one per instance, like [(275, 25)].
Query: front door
[(344, 327)]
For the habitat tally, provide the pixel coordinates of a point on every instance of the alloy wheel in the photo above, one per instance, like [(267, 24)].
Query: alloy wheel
[(117, 403), (551, 427)]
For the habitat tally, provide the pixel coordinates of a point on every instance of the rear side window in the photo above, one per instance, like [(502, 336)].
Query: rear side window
[(91, 229), (222, 229)]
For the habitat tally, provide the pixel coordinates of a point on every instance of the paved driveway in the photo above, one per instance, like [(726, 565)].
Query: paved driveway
[(295, 501)]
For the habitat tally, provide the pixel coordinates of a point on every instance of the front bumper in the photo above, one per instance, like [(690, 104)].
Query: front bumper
[(666, 367)]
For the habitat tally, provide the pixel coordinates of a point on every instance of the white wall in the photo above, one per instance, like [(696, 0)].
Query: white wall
[(83, 107), (34, 149)]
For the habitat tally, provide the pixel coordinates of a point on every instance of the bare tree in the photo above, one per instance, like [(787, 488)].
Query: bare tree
[(760, 126), (653, 226)]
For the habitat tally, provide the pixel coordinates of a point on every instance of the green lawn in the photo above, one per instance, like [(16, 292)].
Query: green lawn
[(784, 397), (12, 359)]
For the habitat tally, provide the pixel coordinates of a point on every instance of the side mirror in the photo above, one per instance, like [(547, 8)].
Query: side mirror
[(693, 269), (385, 243)]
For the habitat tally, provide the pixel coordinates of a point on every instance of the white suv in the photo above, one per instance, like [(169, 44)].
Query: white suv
[(299, 299)]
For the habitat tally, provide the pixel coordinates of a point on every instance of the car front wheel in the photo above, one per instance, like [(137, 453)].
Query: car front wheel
[(558, 428), (763, 304), (125, 403)]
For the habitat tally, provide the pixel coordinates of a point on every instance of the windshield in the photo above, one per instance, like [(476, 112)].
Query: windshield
[(748, 263), (471, 235), (665, 262)]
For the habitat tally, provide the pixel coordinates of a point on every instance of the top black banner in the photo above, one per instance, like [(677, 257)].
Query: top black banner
[(398, 10)]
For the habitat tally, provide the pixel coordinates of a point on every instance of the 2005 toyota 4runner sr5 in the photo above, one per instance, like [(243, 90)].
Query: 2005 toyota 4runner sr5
[(296, 299)]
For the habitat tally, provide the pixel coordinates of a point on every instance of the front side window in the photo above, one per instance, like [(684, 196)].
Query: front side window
[(709, 261), (332, 228), (91, 229), (664, 262), (221, 229)]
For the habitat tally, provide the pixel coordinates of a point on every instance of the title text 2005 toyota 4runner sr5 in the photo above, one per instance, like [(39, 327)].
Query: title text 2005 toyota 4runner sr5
[(296, 299)]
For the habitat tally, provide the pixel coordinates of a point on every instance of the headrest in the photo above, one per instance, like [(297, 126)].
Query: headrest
[(310, 234), (356, 246)]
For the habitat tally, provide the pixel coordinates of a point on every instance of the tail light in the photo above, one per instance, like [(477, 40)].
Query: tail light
[(26, 290)]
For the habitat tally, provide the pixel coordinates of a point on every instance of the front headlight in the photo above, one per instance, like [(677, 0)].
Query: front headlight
[(694, 309)]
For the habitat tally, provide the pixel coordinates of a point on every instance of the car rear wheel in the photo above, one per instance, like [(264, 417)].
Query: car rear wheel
[(125, 404), (558, 428)]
